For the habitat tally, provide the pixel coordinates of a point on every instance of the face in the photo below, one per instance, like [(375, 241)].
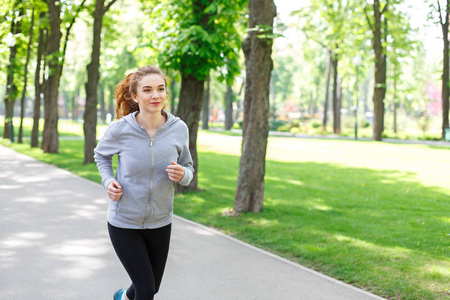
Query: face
[(151, 93)]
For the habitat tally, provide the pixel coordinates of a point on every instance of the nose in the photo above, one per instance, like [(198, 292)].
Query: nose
[(154, 94)]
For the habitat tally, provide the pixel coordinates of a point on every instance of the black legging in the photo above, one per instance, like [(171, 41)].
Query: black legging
[(143, 253)]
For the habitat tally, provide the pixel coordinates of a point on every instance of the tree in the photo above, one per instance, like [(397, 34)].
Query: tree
[(90, 114), (229, 99), (330, 18), (55, 61), (378, 25), (11, 89), (195, 37), (205, 105), (257, 48), (38, 85), (444, 22), (25, 77)]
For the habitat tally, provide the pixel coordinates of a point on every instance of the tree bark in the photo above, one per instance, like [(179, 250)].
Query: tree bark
[(228, 108), (189, 107), (38, 88), (172, 95), (249, 195), (380, 73), (336, 106), (25, 79), (10, 86), (50, 143), (90, 113), (205, 106), (327, 92), (394, 102), (102, 102), (445, 71)]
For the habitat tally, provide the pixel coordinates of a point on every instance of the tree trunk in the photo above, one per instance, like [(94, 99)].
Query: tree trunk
[(50, 143), (25, 79), (90, 113), (10, 86), (394, 102), (102, 103), (336, 108), (228, 108), (339, 105), (205, 106), (189, 107), (445, 72), (172, 95), (37, 88), (327, 92), (380, 74), (258, 62)]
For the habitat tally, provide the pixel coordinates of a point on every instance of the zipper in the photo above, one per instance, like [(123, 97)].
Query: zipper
[(151, 186)]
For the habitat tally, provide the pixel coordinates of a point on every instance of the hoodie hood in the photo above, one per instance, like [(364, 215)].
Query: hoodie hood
[(131, 119)]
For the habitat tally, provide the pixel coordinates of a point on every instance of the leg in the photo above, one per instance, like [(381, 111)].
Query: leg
[(131, 249), (158, 241)]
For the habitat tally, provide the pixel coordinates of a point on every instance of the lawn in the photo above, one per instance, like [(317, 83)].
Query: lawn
[(375, 215)]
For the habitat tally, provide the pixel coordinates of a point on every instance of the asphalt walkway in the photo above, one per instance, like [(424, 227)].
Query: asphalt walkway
[(54, 245)]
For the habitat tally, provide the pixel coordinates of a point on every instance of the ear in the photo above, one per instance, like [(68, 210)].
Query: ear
[(134, 98)]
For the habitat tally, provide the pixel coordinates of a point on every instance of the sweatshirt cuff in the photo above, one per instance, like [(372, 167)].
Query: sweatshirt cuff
[(107, 181), (187, 177)]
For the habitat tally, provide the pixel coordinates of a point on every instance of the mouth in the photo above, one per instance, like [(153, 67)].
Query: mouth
[(155, 103)]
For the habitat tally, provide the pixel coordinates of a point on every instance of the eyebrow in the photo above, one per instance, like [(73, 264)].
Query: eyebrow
[(147, 86)]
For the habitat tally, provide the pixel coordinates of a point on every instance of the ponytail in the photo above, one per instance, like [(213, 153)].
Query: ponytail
[(125, 103)]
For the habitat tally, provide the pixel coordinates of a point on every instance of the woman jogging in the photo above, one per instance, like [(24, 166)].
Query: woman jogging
[(153, 155)]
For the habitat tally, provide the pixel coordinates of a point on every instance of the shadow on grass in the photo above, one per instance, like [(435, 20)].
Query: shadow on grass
[(354, 224)]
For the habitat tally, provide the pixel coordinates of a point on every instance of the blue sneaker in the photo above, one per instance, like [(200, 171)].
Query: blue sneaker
[(118, 294)]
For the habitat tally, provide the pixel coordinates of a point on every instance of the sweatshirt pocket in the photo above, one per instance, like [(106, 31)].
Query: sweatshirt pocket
[(133, 204)]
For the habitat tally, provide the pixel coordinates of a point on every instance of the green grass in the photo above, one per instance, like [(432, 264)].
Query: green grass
[(375, 215)]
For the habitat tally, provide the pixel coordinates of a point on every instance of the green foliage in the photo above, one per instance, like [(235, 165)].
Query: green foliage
[(197, 36), (274, 124)]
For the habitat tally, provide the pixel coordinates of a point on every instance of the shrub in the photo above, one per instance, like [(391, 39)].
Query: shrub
[(295, 130), (316, 124), (284, 128), (274, 124)]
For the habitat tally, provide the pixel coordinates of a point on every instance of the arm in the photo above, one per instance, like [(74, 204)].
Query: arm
[(103, 154), (182, 171)]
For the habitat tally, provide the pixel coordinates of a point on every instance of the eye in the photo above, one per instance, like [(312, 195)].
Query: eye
[(161, 89)]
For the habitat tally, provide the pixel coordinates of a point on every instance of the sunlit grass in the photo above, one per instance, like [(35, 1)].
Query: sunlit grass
[(66, 128), (375, 215)]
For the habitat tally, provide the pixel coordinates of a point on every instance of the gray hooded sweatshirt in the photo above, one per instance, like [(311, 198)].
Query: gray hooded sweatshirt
[(147, 199)]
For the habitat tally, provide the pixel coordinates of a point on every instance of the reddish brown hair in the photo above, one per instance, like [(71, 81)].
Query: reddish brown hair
[(126, 88)]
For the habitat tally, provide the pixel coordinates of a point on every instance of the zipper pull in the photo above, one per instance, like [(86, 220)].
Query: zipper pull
[(151, 142)]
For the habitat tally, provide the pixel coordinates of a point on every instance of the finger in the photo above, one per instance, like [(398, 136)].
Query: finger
[(116, 185)]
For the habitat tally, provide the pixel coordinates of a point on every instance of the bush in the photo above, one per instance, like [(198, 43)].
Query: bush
[(316, 124), (274, 124), (295, 130), (284, 128), (366, 124)]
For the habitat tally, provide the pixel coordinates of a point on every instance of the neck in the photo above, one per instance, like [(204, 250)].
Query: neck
[(150, 121)]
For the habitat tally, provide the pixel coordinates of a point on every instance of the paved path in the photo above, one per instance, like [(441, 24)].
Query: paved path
[(54, 245)]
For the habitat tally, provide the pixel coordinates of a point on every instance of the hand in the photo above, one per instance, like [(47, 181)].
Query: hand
[(114, 191), (175, 172)]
